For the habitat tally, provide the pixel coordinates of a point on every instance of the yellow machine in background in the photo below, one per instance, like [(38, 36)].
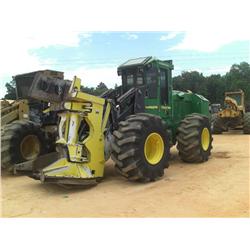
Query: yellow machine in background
[(234, 105), (26, 132), (12, 110), (233, 116)]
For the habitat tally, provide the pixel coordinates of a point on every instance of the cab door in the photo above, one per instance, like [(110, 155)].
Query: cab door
[(164, 91)]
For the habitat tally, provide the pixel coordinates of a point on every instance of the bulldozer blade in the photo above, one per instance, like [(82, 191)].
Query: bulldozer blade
[(33, 166)]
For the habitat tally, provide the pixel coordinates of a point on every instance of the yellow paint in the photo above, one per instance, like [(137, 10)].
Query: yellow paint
[(106, 116), (46, 110), (16, 110), (78, 106), (66, 169), (151, 107), (229, 113), (233, 109), (236, 106), (85, 158), (154, 148), (205, 139), (165, 107)]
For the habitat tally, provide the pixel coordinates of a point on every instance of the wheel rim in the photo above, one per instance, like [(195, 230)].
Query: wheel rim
[(30, 147), (205, 139), (154, 148)]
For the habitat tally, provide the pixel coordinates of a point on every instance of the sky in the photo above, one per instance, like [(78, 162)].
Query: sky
[(94, 55)]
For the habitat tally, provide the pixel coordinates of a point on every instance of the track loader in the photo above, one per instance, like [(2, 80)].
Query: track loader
[(135, 124)]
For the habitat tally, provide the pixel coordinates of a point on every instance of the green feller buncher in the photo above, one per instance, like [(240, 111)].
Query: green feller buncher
[(233, 115), (136, 124), (26, 132)]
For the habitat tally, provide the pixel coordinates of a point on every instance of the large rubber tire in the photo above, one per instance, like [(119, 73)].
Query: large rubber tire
[(19, 143), (192, 145), (218, 125), (246, 123), (128, 147)]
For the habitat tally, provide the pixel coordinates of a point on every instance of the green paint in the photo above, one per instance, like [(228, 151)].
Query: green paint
[(171, 105)]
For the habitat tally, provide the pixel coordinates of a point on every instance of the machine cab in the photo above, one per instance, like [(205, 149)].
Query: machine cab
[(153, 77)]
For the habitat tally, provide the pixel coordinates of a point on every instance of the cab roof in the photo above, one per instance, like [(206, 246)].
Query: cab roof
[(136, 61), (142, 61)]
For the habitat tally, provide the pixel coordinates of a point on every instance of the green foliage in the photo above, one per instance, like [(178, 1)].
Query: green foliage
[(11, 90), (101, 88), (193, 81), (213, 87), (88, 90), (239, 78)]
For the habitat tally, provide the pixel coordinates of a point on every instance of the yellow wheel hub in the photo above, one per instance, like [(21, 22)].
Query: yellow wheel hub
[(154, 148), (205, 139), (30, 147)]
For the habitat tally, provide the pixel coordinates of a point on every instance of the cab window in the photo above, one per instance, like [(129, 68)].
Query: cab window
[(164, 86), (139, 79), (151, 82), (130, 80)]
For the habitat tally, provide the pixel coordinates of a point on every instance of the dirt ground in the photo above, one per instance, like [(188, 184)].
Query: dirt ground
[(217, 188)]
